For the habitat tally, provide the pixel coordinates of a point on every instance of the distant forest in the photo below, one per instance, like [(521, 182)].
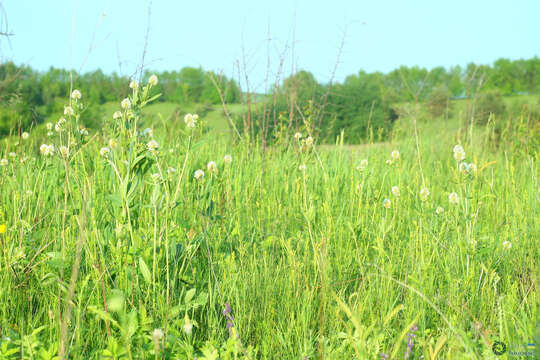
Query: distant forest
[(27, 95)]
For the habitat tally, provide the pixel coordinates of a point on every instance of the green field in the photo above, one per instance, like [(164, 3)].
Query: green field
[(297, 252)]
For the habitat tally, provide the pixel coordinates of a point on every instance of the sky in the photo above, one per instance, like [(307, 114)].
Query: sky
[(256, 36)]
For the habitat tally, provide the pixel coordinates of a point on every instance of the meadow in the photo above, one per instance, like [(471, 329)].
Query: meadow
[(162, 237)]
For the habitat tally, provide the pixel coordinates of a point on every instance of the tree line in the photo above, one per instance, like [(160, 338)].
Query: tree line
[(359, 104)]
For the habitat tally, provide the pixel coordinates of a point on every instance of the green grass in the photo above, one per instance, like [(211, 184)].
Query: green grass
[(100, 254)]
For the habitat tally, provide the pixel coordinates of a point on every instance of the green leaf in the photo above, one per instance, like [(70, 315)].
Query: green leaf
[(145, 271), (189, 296)]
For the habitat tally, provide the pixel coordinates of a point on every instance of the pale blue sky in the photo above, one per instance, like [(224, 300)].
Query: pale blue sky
[(380, 35)]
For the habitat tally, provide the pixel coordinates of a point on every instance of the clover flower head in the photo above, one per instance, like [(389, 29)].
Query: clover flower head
[(68, 110), (4, 162), (49, 126), (424, 193), (152, 145), (386, 203), (453, 198), (363, 165), (25, 135), (104, 151), (459, 153), (395, 155), (298, 136), (199, 174), (439, 210), (507, 245), (395, 191), (64, 151), (76, 94), (133, 84), (302, 167), (117, 115), (191, 120), (153, 80), (125, 104), (212, 167), (12, 154), (227, 159)]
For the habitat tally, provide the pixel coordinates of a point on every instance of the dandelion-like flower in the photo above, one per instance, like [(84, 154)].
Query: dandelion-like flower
[(453, 198), (302, 167), (363, 165), (76, 95), (25, 135), (439, 210), (424, 194), (117, 115), (394, 155), (459, 153), (4, 162), (199, 174), (68, 110), (64, 151), (49, 126), (104, 151), (212, 167), (227, 159), (148, 132), (188, 325), (191, 120), (133, 84), (386, 203), (309, 141), (153, 80), (507, 245), (46, 150), (125, 104), (298, 136), (152, 145), (395, 191)]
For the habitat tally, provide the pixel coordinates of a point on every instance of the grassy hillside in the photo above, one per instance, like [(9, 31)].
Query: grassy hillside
[(126, 246)]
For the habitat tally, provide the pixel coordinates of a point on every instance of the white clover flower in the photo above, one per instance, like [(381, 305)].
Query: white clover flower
[(4, 162), (153, 80), (386, 203), (148, 132), (191, 120), (394, 155), (64, 150), (309, 141), (152, 145), (507, 245), (199, 174), (302, 167), (171, 170), (25, 135), (439, 210), (125, 104), (50, 133), (157, 335), (68, 110), (389, 162), (459, 153), (298, 136), (363, 165), (212, 167), (49, 126), (453, 198), (58, 127), (46, 150), (76, 95), (188, 326), (156, 177), (104, 151), (424, 194), (117, 115), (12, 154), (395, 191), (113, 144), (227, 159), (133, 84)]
